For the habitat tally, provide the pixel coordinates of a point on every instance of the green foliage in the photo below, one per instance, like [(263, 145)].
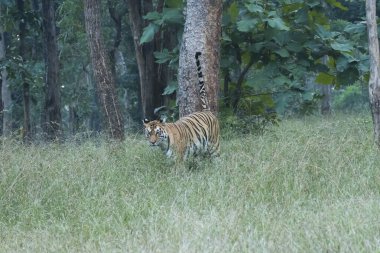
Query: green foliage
[(240, 125), (149, 33), (158, 20), (268, 50), (286, 40), (29, 68), (170, 88), (324, 78), (169, 57), (353, 98)]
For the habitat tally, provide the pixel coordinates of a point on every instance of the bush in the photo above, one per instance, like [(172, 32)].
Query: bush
[(353, 98)]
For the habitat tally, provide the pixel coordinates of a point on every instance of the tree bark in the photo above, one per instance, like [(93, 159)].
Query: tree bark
[(151, 87), (117, 17), (201, 33), (6, 100), (26, 133), (52, 124), (374, 81), (326, 99), (326, 93), (105, 81)]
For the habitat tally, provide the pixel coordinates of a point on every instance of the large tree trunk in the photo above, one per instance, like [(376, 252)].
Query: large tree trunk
[(103, 75), (26, 133), (202, 33), (151, 86), (6, 100), (52, 124), (374, 81)]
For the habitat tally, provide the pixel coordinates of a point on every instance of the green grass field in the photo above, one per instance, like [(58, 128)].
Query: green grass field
[(308, 185)]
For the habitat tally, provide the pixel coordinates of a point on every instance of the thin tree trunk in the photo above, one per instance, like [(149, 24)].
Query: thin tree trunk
[(52, 124), (239, 84), (151, 87), (226, 94), (117, 17), (201, 33), (94, 121), (374, 81), (103, 75), (326, 99), (5, 92), (326, 93), (26, 133)]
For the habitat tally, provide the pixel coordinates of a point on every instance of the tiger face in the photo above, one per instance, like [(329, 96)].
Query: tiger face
[(154, 132)]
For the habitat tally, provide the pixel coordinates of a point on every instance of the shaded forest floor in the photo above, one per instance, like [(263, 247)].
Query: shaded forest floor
[(309, 185)]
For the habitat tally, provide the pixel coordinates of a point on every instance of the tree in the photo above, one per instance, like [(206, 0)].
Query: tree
[(326, 90), (151, 85), (52, 110), (26, 133), (374, 80), (201, 33), (105, 81), (6, 100), (117, 14)]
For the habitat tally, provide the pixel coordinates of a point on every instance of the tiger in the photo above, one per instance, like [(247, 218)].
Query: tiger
[(194, 135)]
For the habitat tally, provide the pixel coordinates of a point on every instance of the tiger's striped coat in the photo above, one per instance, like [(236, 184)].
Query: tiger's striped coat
[(192, 135)]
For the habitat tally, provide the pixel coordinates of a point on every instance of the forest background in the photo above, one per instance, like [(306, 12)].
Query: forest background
[(289, 178), (277, 58)]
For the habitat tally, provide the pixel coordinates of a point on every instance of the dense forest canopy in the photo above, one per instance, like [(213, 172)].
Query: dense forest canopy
[(275, 57)]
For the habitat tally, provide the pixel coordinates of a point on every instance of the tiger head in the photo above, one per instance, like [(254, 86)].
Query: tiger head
[(155, 132)]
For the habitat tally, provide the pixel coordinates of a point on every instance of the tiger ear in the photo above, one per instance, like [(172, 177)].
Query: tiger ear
[(145, 121)]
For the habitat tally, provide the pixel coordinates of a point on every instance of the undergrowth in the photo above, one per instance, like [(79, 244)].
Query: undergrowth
[(307, 185)]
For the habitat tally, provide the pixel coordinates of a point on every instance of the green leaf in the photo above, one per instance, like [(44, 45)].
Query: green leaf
[(364, 64), (254, 8), (152, 16), (337, 4), (233, 11), (163, 56), (282, 52), (172, 15), (313, 3), (324, 78), (171, 88), (246, 57), (355, 28), (277, 23), (256, 48), (343, 47), (294, 46), (174, 4), (225, 36), (347, 77), (308, 96), (149, 33), (341, 63), (292, 7), (325, 34), (301, 16), (281, 80), (246, 25), (281, 38), (350, 57)]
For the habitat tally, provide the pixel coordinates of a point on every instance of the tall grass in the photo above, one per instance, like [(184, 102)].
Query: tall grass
[(309, 185)]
